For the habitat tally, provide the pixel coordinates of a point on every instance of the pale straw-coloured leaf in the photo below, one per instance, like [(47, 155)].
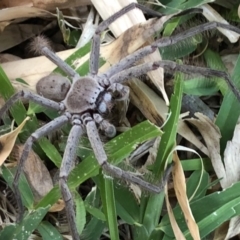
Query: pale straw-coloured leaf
[(7, 141)]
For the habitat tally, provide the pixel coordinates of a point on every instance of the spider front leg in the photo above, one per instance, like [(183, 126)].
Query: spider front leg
[(95, 51), (170, 65), (129, 60), (39, 133), (66, 166), (31, 97), (112, 170)]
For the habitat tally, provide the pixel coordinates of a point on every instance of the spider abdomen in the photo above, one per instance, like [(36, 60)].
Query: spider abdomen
[(53, 86), (82, 95)]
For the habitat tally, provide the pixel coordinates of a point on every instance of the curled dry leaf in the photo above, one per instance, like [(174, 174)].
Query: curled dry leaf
[(7, 141), (211, 136), (36, 173), (187, 133)]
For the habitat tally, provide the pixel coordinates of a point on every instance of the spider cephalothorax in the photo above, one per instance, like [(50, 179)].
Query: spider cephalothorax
[(86, 100)]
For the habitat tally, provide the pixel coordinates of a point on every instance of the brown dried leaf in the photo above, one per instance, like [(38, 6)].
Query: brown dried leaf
[(31, 70), (177, 231), (9, 14), (187, 133), (36, 173), (7, 141), (148, 102), (181, 194), (58, 206)]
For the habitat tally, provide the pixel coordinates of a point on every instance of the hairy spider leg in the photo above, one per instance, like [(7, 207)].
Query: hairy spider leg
[(110, 169), (128, 61), (23, 94), (95, 51), (146, 67), (66, 166), (39, 133)]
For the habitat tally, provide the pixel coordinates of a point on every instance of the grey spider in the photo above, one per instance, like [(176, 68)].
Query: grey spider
[(88, 98)]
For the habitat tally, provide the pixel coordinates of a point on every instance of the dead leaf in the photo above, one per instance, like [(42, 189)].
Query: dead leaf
[(231, 158), (213, 15), (36, 173), (211, 136), (133, 38), (8, 14), (187, 133), (7, 141), (232, 167), (181, 194), (58, 206), (230, 170), (148, 102), (177, 231)]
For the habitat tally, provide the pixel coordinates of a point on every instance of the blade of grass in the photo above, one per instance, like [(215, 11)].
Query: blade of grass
[(151, 207), (109, 206), (23, 230), (47, 231), (117, 149), (229, 111)]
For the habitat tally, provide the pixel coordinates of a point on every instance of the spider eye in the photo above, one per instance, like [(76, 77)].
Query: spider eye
[(102, 107), (107, 97)]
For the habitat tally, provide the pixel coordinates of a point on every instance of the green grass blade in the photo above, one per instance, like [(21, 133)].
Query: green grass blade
[(229, 111), (23, 230), (217, 203), (151, 207), (27, 197), (47, 231), (170, 129), (117, 149), (80, 213), (109, 206)]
